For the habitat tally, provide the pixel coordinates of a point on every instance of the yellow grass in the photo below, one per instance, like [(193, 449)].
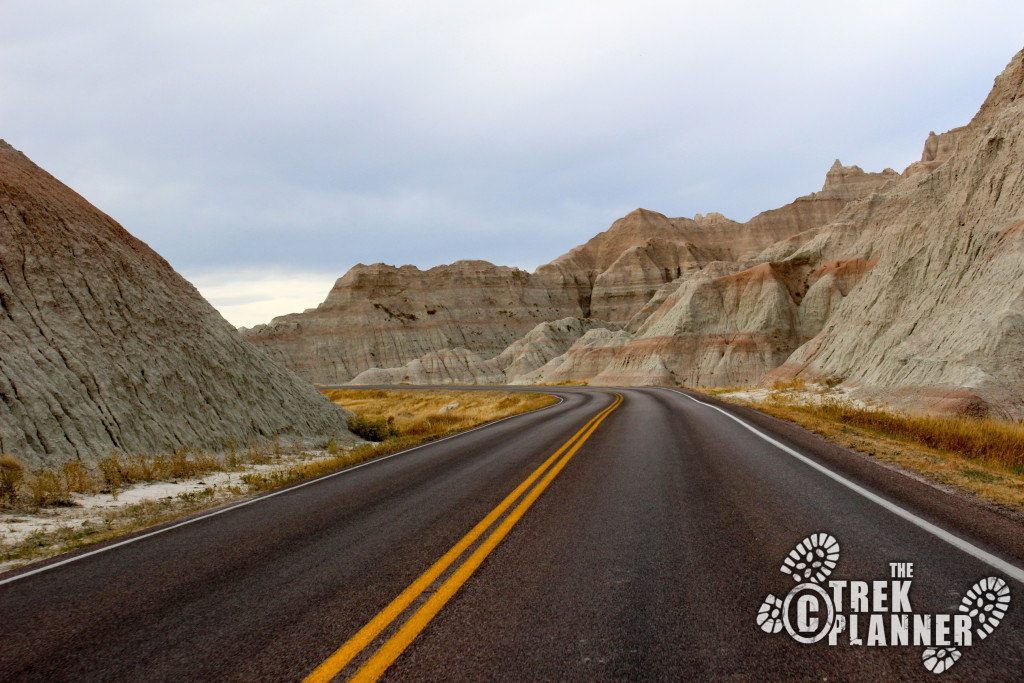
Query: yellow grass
[(419, 416), (48, 487), (402, 418), (435, 412), (984, 457), (986, 441)]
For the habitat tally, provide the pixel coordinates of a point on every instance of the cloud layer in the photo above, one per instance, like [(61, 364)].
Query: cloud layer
[(304, 137)]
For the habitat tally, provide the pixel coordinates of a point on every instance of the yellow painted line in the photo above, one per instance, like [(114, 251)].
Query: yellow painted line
[(396, 645), (340, 659)]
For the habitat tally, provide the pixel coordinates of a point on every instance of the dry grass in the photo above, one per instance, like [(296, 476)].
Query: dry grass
[(111, 524), (12, 474), (21, 489), (435, 412), (419, 416), (985, 441), (983, 457), (118, 470), (400, 419), (717, 391)]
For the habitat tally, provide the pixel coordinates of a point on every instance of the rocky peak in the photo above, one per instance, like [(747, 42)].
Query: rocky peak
[(938, 149), (852, 182), (635, 229), (1008, 88), (711, 219)]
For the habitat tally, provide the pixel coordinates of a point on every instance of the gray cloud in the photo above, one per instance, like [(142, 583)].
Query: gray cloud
[(308, 136)]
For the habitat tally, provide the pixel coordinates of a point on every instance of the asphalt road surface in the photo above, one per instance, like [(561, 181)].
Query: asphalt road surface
[(627, 534)]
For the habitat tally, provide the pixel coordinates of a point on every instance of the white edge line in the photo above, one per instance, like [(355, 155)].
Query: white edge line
[(955, 541), (288, 489)]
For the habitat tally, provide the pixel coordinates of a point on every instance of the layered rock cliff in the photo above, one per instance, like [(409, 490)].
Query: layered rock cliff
[(103, 346), (513, 365), (620, 270), (381, 317), (939, 321), (907, 287)]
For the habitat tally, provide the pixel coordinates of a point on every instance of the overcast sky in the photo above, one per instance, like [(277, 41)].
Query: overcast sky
[(265, 148)]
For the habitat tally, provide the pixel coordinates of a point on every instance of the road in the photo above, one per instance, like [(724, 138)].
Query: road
[(641, 551)]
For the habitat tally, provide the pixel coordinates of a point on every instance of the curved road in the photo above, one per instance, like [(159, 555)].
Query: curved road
[(628, 538)]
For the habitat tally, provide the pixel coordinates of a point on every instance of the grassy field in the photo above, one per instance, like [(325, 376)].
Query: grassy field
[(389, 421), (395, 419), (435, 412), (984, 457)]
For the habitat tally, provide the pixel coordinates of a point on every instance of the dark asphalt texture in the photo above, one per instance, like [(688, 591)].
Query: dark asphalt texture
[(646, 559)]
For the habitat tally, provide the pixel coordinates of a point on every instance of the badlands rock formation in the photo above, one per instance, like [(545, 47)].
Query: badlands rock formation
[(383, 317), (907, 287), (514, 365), (380, 316), (582, 361), (938, 322), (103, 346)]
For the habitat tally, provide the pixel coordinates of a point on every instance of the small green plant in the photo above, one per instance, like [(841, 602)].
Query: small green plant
[(197, 496)]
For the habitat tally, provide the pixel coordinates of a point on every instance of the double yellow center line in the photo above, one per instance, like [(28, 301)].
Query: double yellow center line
[(396, 644)]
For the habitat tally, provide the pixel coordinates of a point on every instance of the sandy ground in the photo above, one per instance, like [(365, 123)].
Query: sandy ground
[(91, 510), (812, 396)]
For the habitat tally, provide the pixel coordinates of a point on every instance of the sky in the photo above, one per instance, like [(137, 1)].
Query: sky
[(264, 148)]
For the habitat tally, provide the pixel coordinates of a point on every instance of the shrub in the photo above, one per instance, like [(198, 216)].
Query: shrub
[(232, 457), (76, 478), (114, 474), (12, 473), (331, 446), (46, 488), (373, 429), (179, 464)]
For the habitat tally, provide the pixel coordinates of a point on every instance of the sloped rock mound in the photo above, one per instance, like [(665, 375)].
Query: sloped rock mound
[(461, 366), (586, 358), (617, 272), (725, 330), (544, 343), (447, 366), (103, 346)]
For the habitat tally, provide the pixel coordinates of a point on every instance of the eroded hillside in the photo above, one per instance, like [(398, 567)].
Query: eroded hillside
[(905, 287), (104, 347)]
